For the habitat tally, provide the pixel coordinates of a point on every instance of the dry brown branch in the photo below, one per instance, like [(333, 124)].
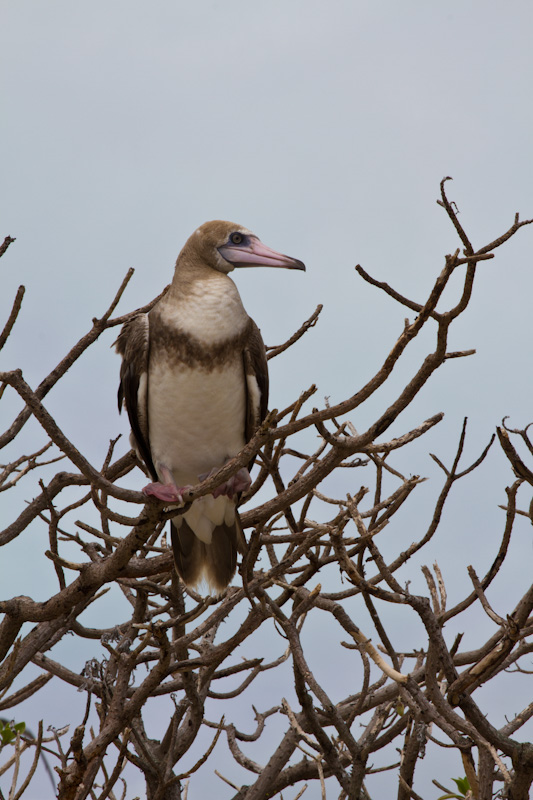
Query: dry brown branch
[(309, 323), (323, 569), (17, 303), (5, 244)]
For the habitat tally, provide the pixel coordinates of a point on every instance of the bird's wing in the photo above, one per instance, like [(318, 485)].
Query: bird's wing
[(256, 374), (133, 344)]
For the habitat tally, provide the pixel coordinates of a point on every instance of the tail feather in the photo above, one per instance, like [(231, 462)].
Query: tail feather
[(216, 562)]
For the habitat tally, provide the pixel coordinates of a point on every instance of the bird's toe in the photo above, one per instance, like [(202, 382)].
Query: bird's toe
[(165, 492)]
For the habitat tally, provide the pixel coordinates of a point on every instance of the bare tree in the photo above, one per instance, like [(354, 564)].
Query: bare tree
[(311, 556)]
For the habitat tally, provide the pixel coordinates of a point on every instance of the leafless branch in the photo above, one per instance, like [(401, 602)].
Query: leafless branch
[(323, 568)]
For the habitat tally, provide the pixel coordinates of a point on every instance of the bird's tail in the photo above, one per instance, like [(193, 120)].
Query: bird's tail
[(215, 562)]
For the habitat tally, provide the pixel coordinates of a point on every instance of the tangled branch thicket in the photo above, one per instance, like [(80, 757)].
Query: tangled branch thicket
[(311, 557)]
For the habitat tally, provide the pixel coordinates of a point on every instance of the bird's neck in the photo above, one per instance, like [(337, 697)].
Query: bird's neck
[(204, 304)]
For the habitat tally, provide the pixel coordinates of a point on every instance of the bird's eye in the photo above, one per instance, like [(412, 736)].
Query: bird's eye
[(236, 238)]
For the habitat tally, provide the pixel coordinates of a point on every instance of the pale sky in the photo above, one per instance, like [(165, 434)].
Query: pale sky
[(325, 127)]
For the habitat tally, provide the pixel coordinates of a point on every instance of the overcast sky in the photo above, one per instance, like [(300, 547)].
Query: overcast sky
[(325, 127)]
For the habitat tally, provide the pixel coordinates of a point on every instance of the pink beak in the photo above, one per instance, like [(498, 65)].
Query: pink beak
[(257, 254)]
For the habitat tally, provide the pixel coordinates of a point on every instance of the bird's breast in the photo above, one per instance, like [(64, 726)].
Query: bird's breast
[(196, 413), (196, 417), (196, 380)]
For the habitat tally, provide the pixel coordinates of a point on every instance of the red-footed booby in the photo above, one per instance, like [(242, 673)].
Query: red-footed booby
[(194, 382)]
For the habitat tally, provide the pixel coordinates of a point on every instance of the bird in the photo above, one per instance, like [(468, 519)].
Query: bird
[(194, 382)]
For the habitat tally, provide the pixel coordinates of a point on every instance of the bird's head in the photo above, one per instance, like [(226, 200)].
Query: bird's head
[(223, 246)]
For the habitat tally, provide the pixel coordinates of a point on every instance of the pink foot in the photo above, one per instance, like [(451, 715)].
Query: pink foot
[(166, 492), (240, 482)]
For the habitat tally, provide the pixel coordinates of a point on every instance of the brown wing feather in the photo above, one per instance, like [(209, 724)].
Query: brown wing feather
[(133, 344), (255, 368)]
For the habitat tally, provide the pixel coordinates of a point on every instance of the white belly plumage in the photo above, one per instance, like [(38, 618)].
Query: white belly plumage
[(196, 422)]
